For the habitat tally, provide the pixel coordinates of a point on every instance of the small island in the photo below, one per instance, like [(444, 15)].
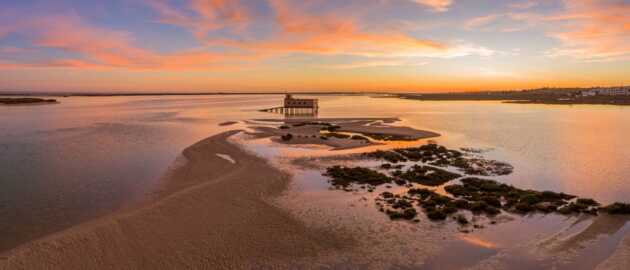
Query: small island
[(26, 101)]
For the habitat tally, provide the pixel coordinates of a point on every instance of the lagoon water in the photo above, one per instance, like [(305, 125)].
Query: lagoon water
[(64, 164)]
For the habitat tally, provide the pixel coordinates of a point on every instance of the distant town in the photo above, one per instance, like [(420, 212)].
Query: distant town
[(619, 95)]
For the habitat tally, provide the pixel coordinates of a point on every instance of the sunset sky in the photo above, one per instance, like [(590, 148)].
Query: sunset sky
[(312, 45)]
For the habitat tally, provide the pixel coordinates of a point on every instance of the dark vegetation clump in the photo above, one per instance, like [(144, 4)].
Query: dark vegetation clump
[(429, 153), (484, 167), (408, 214), (489, 196), (585, 201), (434, 205), (436, 214), (389, 156), (14, 101), (312, 123), (345, 176), (397, 207), (389, 166), (461, 220), (617, 209), (571, 208), (330, 128), (421, 193), (477, 195), (437, 155), (428, 176), (388, 137), (333, 128), (287, 137)]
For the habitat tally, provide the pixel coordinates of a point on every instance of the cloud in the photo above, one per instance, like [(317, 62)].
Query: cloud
[(436, 5), (593, 30), (96, 47), (203, 16), (330, 33), (295, 27), (524, 5), (477, 22), (308, 27), (589, 30), (12, 50), (505, 22)]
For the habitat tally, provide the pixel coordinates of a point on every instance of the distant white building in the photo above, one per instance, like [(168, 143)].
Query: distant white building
[(608, 91)]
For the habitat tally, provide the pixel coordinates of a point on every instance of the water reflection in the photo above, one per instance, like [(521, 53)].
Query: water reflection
[(84, 157)]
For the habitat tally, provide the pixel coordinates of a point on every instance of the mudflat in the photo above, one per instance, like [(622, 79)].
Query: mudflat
[(208, 213)]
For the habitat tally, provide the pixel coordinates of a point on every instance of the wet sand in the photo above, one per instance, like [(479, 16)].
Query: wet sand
[(209, 213), (220, 207), (310, 134), (620, 259)]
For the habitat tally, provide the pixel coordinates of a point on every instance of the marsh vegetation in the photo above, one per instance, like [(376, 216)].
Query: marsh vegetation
[(421, 170)]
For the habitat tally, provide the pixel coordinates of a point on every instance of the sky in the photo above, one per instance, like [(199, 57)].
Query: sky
[(312, 45)]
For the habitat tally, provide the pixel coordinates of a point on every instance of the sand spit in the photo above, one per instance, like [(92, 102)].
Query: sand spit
[(209, 214)]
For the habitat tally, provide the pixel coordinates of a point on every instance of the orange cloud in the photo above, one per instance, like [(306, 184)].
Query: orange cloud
[(297, 27), (228, 11), (202, 16), (333, 34), (481, 21), (436, 5), (306, 27), (103, 48), (594, 30), (299, 30)]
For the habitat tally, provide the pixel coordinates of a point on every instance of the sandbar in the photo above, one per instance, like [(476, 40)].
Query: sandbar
[(208, 213)]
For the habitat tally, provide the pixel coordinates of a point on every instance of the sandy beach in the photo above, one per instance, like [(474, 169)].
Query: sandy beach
[(214, 210)]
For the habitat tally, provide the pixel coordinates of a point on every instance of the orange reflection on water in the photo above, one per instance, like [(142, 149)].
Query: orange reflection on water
[(594, 163), (478, 241)]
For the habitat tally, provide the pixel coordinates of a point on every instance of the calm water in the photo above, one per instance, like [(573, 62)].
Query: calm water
[(66, 163)]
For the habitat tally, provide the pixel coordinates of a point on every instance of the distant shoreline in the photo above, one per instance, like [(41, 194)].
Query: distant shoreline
[(555, 97), (524, 98), (52, 94), (26, 101)]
